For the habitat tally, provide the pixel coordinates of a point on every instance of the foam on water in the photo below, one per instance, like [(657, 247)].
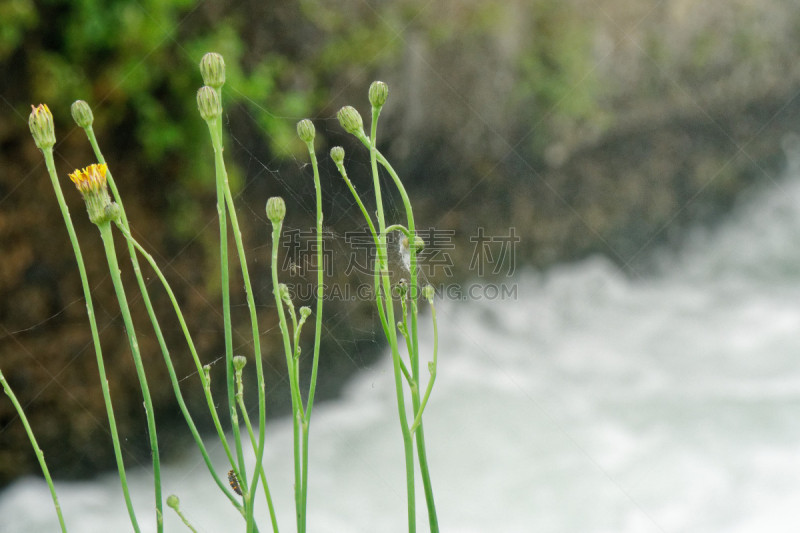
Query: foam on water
[(595, 402)]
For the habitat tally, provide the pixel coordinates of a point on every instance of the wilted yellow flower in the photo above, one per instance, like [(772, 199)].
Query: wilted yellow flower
[(90, 179), (91, 182)]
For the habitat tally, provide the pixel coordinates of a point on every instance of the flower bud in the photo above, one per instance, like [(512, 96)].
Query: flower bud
[(419, 244), (173, 501), (82, 114), (276, 209), (305, 130), (212, 68), (91, 183), (305, 311), (40, 122), (337, 154), (378, 92), (238, 362), (283, 292), (208, 103), (428, 292), (351, 120)]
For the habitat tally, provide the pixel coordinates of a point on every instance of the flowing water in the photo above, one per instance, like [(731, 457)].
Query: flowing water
[(594, 402)]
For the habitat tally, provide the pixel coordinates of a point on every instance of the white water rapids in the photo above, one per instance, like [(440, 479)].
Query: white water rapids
[(594, 403)]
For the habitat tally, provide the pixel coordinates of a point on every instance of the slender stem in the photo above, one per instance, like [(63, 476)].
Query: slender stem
[(184, 519), (419, 434), (206, 386), (294, 387), (317, 330), (124, 227), (215, 130), (251, 305), (112, 423), (389, 307), (254, 444), (37, 450), (113, 267), (432, 379)]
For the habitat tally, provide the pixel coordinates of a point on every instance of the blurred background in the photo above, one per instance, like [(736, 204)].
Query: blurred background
[(569, 128)]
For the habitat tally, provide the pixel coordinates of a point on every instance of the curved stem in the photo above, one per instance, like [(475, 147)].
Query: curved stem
[(113, 267), (432, 368), (392, 330), (206, 385), (37, 450), (101, 369), (254, 444), (124, 227)]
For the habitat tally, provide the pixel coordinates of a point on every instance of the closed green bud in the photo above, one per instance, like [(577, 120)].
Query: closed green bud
[(212, 68), (378, 92), (305, 311), (82, 114), (40, 122), (350, 120), (208, 103), (419, 244), (283, 292), (276, 209), (428, 292), (337, 154), (305, 130), (173, 501), (238, 362)]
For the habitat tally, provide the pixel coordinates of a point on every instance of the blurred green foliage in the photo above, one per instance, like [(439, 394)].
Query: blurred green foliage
[(557, 77)]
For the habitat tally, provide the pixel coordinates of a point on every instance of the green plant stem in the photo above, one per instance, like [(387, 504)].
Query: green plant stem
[(251, 305), (206, 386), (37, 450), (184, 519), (113, 267), (215, 130), (414, 355), (317, 332), (124, 227), (392, 330), (432, 379), (254, 444), (294, 387), (101, 368)]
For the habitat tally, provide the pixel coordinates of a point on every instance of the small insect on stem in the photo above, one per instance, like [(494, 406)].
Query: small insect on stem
[(234, 482)]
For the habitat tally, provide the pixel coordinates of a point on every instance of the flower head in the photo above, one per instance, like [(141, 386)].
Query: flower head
[(306, 131), (337, 154), (91, 179), (82, 114), (40, 122), (378, 93), (351, 121), (276, 209), (212, 68), (91, 182), (208, 103)]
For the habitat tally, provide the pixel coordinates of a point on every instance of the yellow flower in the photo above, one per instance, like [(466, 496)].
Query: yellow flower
[(40, 122), (91, 179), (91, 182)]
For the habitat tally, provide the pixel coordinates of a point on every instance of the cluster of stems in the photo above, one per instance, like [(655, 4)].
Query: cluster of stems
[(406, 371), (106, 210)]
